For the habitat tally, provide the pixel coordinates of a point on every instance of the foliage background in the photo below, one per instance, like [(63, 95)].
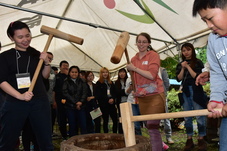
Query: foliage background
[(170, 64)]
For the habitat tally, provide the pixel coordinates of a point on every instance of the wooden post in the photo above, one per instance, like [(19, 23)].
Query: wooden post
[(127, 124), (128, 119)]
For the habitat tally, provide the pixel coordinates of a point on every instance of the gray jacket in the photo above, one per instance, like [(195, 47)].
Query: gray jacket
[(217, 58)]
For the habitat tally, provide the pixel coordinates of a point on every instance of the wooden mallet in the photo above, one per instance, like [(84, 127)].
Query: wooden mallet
[(121, 47), (128, 119), (52, 32)]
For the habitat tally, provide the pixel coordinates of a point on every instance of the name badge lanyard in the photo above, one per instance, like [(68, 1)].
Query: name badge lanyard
[(108, 88), (23, 79)]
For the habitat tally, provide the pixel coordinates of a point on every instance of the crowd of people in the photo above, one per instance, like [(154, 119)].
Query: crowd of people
[(70, 95)]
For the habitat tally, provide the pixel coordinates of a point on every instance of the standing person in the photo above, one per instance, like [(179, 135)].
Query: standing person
[(214, 14), (74, 91), (92, 104), (149, 86), (194, 98), (135, 106), (50, 91), (106, 95), (167, 124), (61, 115), (120, 91), (82, 74), (16, 64)]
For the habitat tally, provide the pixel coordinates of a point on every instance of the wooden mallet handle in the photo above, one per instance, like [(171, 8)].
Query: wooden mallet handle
[(38, 68), (52, 32)]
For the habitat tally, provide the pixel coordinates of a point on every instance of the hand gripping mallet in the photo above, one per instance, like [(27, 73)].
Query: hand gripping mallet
[(52, 32)]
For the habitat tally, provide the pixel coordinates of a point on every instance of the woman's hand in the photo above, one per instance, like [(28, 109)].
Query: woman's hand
[(184, 64), (44, 56), (90, 98), (111, 101), (27, 96), (130, 67), (78, 105)]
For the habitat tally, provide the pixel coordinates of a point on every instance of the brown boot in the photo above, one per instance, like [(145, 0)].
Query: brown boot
[(189, 145), (202, 145)]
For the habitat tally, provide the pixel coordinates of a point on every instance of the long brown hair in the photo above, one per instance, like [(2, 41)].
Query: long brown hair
[(193, 57), (101, 79)]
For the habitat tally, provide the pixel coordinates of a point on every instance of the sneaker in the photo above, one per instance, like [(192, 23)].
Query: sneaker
[(169, 140), (165, 147), (189, 145), (202, 145)]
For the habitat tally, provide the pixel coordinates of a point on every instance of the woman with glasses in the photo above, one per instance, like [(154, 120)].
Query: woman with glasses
[(149, 86)]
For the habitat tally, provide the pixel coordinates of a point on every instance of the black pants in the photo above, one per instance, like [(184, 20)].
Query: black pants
[(28, 136), (109, 110), (61, 117), (14, 115)]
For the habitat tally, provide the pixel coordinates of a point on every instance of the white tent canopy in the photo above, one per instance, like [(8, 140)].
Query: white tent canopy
[(100, 22)]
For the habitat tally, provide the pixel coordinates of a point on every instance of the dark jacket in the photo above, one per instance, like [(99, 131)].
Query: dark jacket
[(119, 91), (101, 93), (198, 93), (74, 92), (92, 104)]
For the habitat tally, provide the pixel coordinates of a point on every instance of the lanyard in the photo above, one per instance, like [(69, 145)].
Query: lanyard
[(17, 57)]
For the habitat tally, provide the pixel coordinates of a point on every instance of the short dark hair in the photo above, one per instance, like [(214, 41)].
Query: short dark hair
[(16, 26), (74, 67), (0, 44), (50, 53), (204, 4), (63, 61), (54, 68)]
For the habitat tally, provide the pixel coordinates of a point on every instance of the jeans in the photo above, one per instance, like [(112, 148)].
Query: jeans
[(167, 124), (76, 118), (223, 136), (136, 111), (190, 104)]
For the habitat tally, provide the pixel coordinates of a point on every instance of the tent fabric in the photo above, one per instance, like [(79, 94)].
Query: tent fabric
[(100, 23)]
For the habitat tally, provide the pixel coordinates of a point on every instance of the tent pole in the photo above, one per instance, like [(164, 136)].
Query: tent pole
[(141, 7)]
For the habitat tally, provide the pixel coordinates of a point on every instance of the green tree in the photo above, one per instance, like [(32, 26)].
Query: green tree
[(201, 54), (170, 65)]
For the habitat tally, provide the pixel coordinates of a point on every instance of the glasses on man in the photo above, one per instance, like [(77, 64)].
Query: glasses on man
[(143, 42)]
